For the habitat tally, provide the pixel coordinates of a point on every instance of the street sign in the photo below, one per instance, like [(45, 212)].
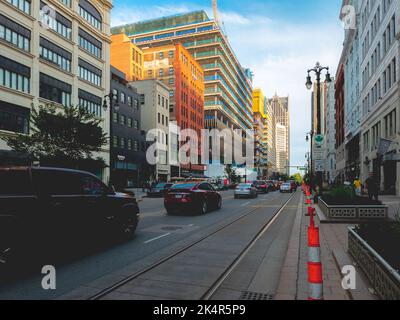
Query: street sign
[(319, 165), (319, 139), (318, 153)]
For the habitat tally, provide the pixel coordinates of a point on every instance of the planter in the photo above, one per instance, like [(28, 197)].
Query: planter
[(353, 213), (383, 278)]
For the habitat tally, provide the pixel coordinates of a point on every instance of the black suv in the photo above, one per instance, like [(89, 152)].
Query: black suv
[(42, 206)]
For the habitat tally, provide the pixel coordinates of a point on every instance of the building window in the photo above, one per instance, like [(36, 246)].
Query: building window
[(171, 54), (54, 54), (55, 90), (159, 117), (136, 124), (67, 2), (130, 122), (115, 142), (129, 144), (135, 145), (59, 23), (136, 104), (90, 102), (14, 118), (122, 143), (161, 72), (171, 71), (123, 98), (23, 5), (115, 117), (14, 33), (130, 101), (90, 14), (90, 44), (14, 75), (89, 73), (161, 55)]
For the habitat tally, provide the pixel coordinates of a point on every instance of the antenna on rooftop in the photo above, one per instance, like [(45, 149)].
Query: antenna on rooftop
[(217, 19)]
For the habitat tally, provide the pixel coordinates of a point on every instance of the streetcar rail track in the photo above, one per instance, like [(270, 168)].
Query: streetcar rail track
[(106, 291)]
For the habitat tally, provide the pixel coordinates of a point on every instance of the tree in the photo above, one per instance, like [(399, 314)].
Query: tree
[(297, 177), (231, 174), (65, 138)]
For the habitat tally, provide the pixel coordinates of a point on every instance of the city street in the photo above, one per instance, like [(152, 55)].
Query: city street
[(158, 235)]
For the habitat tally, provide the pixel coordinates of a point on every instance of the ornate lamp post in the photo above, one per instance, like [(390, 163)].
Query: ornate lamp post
[(114, 106), (318, 69)]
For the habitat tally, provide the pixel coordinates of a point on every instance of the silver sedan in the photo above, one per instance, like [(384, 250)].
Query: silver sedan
[(247, 190)]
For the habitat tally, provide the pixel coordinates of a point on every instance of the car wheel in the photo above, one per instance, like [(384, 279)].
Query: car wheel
[(204, 208), (219, 205), (127, 225)]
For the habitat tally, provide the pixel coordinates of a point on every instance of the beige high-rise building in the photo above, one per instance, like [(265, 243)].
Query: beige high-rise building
[(280, 110), (53, 52)]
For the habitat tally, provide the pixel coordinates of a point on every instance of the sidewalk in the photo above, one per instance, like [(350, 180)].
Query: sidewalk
[(294, 277), (394, 205)]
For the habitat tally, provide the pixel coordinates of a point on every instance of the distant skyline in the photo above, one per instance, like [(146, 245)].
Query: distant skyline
[(277, 39)]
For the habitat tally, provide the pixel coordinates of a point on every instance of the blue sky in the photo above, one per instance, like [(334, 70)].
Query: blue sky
[(278, 39)]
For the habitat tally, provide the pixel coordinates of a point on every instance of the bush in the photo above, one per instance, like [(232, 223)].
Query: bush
[(342, 193)]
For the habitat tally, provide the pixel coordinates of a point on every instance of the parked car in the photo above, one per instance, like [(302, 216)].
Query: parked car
[(43, 207), (247, 190), (286, 187), (271, 185), (198, 197), (261, 186), (159, 190)]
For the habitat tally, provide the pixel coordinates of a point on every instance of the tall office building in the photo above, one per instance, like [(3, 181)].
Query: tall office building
[(52, 52), (176, 68), (380, 86), (280, 110), (260, 123)]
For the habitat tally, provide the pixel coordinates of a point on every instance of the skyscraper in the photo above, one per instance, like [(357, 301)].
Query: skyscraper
[(280, 110)]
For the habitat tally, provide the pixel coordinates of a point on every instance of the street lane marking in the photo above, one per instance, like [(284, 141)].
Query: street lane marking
[(245, 204), (158, 238)]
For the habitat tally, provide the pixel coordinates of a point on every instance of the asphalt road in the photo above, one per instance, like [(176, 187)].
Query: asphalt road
[(156, 232)]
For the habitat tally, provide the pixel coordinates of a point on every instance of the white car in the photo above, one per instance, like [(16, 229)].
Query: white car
[(247, 190), (286, 187)]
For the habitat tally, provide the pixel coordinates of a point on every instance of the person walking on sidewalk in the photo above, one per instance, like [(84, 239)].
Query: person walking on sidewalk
[(357, 186), (372, 187)]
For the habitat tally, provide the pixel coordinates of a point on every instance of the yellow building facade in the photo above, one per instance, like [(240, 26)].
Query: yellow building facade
[(127, 57)]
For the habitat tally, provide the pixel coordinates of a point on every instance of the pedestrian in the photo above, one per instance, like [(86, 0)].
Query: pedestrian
[(372, 187), (357, 186)]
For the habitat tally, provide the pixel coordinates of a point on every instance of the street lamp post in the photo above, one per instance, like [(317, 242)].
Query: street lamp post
[(318, 69), (309, 138), (111, 97)]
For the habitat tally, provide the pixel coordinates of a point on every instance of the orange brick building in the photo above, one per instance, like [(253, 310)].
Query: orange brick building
[(175, 66), (127, 57)]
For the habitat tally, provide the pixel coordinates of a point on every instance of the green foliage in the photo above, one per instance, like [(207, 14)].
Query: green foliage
[(67, 137), (231, 174), (297, 177), (342, 192)]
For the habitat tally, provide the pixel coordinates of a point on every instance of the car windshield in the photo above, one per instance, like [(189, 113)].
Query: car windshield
[(186, 186), (286, 184)]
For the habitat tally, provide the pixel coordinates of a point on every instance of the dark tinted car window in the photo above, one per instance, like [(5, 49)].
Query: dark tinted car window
[(205, 187), (57, 183), (16, 183), (92, 186), (160, 186), (184, 186)]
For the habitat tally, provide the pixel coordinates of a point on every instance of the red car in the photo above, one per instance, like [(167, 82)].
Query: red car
[(192, 197)]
